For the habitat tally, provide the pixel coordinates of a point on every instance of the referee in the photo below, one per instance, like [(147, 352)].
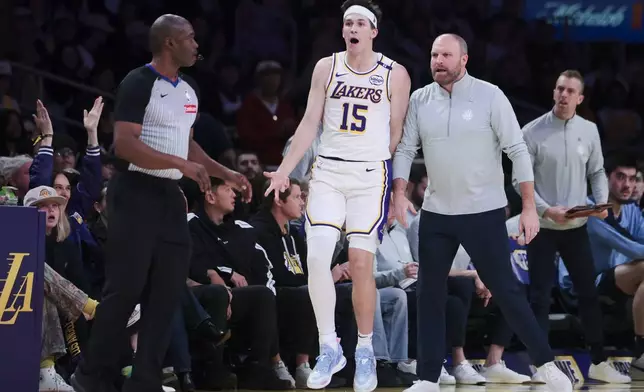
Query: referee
[(149, 243), (567, 154), (462, 124)]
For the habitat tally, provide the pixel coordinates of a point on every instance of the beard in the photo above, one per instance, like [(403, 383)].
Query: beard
[(448, 76)]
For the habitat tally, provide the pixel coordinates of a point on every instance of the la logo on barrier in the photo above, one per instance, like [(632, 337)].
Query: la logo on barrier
[(16, 294)]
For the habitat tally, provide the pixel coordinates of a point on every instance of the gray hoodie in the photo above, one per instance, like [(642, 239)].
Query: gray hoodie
[(462, 135), (565, 154)]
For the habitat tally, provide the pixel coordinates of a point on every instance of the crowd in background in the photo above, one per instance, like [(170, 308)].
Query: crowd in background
[(258, 57)]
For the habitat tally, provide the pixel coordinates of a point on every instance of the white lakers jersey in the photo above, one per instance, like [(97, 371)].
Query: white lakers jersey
[(356, 112)]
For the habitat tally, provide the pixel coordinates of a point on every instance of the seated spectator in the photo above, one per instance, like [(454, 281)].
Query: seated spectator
[(285, 247), (617, 244), (225, 254), (60, 293), (266, 120), (638, 191), (15, 172), (393, 269), (81, 190)]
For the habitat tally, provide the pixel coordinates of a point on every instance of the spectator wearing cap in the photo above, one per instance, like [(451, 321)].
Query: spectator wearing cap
[(6, 101), (266, 120), (80, 189)]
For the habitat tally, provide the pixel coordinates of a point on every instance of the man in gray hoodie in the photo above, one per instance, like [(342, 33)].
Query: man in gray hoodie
[(463, 124), (566, 154)]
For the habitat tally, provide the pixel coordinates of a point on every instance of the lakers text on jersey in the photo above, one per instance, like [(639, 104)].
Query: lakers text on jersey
[(357, 112)]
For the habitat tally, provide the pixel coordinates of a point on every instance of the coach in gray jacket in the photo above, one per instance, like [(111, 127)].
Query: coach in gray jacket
[(567, 154), (463, 124)]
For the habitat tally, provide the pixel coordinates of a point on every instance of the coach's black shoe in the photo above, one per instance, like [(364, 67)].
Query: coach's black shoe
[(256, 376), (211, 333), (84, 383), (186, 383)]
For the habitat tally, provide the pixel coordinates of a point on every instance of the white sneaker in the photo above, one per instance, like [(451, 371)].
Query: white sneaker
[(168, 389), (555, 379), (282, 373), (50, 381), (423, 386), (408, 367), (607, 373), (501, 374), (466, 374), (446, 378), (302, 374)]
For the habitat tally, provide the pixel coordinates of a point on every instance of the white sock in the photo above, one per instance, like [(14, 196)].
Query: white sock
[(321, 286), (330, 339), (365, 340)]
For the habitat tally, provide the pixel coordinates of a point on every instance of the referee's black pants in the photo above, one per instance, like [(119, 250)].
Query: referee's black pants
[(485, 239), (573, 246), (147, 260)]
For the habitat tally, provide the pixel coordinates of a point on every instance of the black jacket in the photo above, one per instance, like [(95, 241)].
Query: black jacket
[(227, 248), (64, 258), (287, 252)]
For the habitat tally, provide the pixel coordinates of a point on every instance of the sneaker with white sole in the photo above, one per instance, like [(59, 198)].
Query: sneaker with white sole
[(168, 389), (501, 374), (555, 379), (50, 381), (408, 367), (330, 361), (466, 374), (423, 386), (446, 378), (282, 372), (302, 374), (366, 378), (607, 373)]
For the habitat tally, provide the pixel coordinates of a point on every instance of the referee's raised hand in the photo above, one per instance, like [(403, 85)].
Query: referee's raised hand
[(198, 173)]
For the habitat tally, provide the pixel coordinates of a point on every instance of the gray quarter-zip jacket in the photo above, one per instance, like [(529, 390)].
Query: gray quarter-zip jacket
[(462, 135), (565, 154)]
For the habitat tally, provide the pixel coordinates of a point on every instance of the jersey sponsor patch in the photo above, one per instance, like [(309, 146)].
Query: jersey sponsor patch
[(190, 108), (376, 80)]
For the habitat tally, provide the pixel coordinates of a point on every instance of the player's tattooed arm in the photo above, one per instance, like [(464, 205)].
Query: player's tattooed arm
[(400, 87)]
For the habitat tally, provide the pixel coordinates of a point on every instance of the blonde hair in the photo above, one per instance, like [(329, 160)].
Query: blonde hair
[(63, 228)]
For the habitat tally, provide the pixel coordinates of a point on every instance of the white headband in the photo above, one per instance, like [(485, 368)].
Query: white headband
[(360, 10)]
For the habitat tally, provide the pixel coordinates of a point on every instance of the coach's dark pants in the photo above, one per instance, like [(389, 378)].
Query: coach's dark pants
[(485, 239), (148, 248), (574, 248)]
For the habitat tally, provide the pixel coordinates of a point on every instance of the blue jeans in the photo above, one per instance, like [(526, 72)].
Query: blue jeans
[(391, 325)]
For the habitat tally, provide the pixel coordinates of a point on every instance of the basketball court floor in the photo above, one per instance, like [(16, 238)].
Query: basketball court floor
[(636, 386)]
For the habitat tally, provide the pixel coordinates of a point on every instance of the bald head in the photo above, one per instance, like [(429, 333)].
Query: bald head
[(451, 39), (166, 26)]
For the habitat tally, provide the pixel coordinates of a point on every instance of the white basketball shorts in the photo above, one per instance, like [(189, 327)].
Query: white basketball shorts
[(351, 196)]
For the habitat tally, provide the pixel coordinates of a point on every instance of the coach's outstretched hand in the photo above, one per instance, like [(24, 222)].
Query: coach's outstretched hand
[(279, 183), (401, 206)]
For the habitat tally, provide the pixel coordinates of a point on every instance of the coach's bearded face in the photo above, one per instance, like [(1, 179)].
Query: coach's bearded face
[(446, 71)]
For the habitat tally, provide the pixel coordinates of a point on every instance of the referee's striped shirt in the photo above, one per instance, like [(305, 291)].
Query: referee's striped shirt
[(166, 110)]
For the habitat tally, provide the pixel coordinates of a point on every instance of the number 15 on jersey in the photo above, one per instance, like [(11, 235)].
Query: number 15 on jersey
[(358, 122)]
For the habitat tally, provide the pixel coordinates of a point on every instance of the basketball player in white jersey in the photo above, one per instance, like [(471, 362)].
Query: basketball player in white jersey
[(361, 97)]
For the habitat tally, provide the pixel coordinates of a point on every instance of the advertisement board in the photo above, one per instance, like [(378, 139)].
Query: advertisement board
[(591, 20)]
